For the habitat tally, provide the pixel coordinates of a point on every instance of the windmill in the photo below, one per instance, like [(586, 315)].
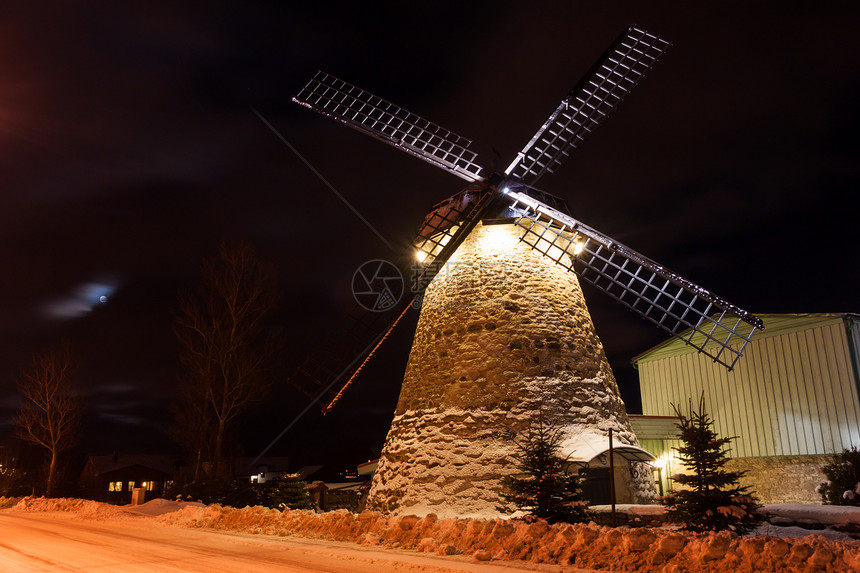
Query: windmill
[(530, 339)]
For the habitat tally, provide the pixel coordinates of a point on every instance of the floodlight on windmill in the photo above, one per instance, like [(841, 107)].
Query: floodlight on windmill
[(683, 309)]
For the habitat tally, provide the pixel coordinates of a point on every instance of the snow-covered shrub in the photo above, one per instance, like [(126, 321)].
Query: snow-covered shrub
[(712, 498), (843, 476), (226, 491), (291, 492)]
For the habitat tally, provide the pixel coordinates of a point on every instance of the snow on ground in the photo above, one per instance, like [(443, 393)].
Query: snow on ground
[(827, 514), (589, 546), (631, 509), (161, 506), (831, 514), (795, 531)]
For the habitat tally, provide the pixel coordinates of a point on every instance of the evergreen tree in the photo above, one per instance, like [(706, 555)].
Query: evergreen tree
[(547, 489), (843, 479), (291, 492), (712, 498)]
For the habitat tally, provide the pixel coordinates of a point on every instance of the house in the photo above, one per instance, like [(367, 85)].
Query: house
[(8, 462), (312, 473), (368, 468), (8, 470), (261, 470), (329, 496), (113, 478), (790, 403)]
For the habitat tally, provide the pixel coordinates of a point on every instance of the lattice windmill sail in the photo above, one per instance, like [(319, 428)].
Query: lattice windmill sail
[(666, 299)]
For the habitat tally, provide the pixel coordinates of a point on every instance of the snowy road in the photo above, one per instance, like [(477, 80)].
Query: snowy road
[(36, 542)]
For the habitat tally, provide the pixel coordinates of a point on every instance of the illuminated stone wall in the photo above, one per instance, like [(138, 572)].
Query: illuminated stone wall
[(503, 332), (783, 479)]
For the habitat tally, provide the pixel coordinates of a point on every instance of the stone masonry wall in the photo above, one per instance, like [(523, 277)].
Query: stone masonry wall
[(504, 333), (783, 479)]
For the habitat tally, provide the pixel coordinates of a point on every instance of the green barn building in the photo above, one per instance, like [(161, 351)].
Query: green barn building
[(791, 402)]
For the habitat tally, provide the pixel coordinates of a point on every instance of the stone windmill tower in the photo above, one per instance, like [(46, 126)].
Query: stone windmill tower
[(504, 334)]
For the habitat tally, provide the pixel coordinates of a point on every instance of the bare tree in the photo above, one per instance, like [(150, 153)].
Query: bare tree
[(224, 344), (51, 414), (193, 427)]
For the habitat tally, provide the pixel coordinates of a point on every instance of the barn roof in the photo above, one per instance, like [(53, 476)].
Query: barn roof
[(774, 325)]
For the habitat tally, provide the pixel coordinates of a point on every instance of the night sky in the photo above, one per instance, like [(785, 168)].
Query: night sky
[(129, 151)]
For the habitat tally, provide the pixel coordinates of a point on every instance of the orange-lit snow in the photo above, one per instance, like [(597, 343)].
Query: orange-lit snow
[(589, 546)]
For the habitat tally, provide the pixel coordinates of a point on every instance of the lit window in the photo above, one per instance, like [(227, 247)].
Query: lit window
[(130, 485), (115, 486)]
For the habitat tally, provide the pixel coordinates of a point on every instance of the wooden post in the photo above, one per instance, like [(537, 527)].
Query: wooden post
[(612, 477)]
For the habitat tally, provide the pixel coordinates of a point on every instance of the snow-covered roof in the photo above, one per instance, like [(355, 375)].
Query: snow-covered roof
[(307, 471), (585, 446), (345, 486), (654, 427), (367, 468), (250, 466), (162, 463)]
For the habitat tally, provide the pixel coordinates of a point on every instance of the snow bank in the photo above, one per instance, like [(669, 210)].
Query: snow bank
[(160, 506), (96, 510), (587, 546), (6, 502), (83, 508)]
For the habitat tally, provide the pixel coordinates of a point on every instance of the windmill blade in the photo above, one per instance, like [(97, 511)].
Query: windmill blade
[(597, 94), (389, 123), (678, 306)]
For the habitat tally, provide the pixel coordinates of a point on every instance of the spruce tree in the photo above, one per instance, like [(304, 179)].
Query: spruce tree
[(291, 492), (712, 498), (547, 489)]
